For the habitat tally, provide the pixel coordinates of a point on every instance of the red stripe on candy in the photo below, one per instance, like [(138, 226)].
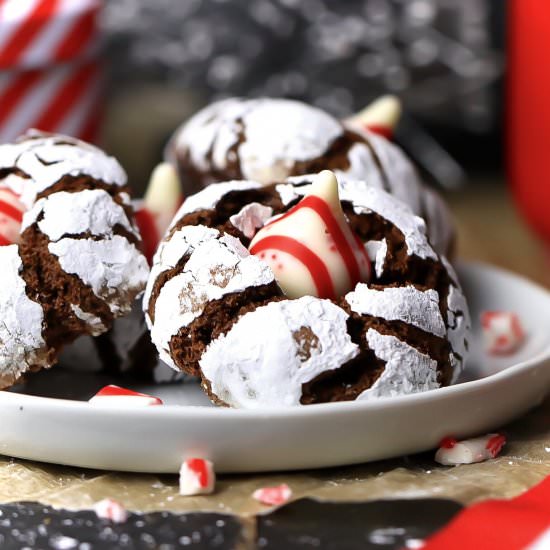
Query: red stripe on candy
[(11, 211), (149, 233), (198, 466), (16, 91), (4, 241), (78, 37), (116, 391), (383, 131), (322, 209), (448, 442), (314, 264), (28, 30), (66, 97), (495, 444)]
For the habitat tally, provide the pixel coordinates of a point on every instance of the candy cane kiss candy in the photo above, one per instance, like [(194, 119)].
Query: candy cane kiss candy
[(311, 249), (380, 116)]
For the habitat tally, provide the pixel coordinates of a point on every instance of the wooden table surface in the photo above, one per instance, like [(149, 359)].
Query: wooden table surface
[(491, 230)]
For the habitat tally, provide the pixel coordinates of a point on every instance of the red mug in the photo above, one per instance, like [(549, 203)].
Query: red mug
[(528, 111)]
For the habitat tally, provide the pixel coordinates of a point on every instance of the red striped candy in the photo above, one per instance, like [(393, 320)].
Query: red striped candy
[(311, 249), (273, 496), (11, 215), (36, 33), (115, 396), (197, 477), (503, 332), (48, 80), (452, 452), (111, 510)]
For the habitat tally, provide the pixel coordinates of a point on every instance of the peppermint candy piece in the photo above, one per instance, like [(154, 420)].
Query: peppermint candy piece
[(502, 332), (251, 217), (197, 477), (452, 452), (115, 396), (273, 496), (111, 509), (11, 216)]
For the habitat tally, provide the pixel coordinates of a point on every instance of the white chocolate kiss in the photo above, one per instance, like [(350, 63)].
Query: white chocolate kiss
[(311, 249), (163, 196), (382, 113)]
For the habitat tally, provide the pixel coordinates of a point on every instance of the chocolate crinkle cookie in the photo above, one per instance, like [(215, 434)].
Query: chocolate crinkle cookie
[(267, 140), (78, 263), (217, 311)]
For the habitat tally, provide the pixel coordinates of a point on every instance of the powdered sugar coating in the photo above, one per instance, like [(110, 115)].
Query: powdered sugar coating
[(419, 308), (288, 344), (217, 265), (213, 129), (401, 181), (267, 135), (21, 343), (401, 176), (89, 211), (45, 159), (280, 132), (406, 370), (362, 165), (171, 250), (370, 199), (95, 324), (113, 267), (377, 251)]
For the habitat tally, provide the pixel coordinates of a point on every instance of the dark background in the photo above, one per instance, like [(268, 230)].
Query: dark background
[(443, 58)]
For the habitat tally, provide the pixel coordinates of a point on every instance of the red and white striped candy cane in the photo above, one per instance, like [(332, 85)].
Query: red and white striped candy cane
[(48, 79)]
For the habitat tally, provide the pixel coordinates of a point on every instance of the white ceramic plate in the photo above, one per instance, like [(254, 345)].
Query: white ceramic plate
[(154, 439)]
